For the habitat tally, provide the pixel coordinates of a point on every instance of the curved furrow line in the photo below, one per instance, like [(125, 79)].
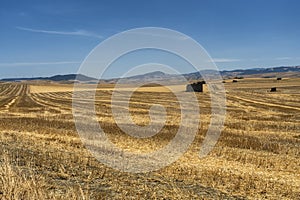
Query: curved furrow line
[(15, 89), (11, 96), (271, 100), (281, 99), (48, 103), (4, 89), (7, 90), (20, 90), (58, 101), (264, 104), (4, 102), (57, 95)]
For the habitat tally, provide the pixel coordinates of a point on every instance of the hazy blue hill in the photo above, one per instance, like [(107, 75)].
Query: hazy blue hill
[(260, 72), (67, 77)]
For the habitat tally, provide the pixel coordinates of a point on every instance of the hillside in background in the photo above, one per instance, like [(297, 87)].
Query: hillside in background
[(288, 71), (284, 71), (67, 77)]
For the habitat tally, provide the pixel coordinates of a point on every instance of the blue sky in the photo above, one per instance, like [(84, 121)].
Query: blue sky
[(43, 38)]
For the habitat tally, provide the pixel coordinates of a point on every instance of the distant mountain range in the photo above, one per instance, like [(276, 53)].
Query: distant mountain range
[(283, 71), (67, 77), (256, 71)]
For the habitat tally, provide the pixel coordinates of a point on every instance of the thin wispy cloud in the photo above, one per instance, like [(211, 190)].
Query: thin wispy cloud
[(225, 60), (21, 64), (284, 58), (73, 33), (162, 35)]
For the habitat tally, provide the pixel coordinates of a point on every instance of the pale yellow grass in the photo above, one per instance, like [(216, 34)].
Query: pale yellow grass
[(70, 88), (51, 88), (256, 157)]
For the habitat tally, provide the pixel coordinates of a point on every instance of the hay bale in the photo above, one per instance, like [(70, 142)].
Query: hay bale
[(195, 87), (273, 89), (234, 81)]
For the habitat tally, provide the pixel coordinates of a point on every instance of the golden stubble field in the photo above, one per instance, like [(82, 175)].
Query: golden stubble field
[(256, 157)]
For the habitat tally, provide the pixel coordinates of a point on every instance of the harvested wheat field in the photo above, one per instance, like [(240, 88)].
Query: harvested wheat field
[(256, 157)]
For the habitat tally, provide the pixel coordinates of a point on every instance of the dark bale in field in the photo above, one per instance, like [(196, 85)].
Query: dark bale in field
[(297, 136), (279, 79), (238, 77), (195, 87), (273, 89), (234, 81)]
